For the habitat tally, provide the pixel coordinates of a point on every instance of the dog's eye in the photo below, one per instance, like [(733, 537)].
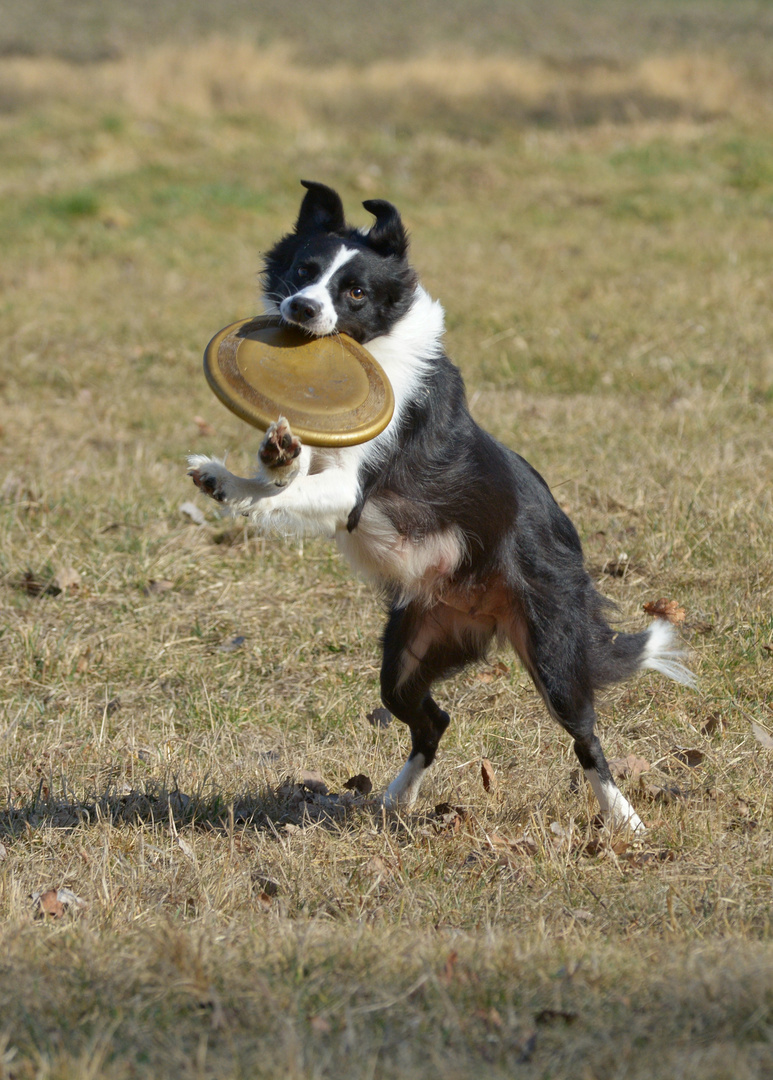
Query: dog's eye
[(302, 272), (357, 293)]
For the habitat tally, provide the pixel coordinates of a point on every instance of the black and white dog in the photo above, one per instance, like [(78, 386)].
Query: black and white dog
[(462, 533)]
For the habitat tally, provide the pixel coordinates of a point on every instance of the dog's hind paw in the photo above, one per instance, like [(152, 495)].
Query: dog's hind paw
[(404, 789)]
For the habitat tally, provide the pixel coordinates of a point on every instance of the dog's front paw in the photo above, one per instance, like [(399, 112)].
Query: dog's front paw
[(209, 475), (279, 447)]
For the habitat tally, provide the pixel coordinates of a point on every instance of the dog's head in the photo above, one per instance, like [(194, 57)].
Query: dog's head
[(328, 277)]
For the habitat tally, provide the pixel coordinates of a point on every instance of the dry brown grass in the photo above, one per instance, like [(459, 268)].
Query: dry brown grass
[(227, 75), (611, 314)]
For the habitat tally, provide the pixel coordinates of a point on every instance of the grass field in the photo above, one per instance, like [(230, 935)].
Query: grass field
[(590, 194)]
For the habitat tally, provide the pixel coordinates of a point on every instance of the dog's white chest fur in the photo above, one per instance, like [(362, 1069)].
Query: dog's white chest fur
[(418, 568)]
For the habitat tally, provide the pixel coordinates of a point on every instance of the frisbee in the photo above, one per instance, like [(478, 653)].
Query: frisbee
[(330, 389)]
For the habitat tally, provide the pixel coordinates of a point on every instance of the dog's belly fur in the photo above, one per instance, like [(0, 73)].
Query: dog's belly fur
[(414, 569)]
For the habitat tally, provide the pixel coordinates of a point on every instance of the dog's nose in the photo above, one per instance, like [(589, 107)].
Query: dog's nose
[(302, 309)]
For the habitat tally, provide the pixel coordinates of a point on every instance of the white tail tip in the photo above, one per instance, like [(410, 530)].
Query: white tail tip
[(663, 652)]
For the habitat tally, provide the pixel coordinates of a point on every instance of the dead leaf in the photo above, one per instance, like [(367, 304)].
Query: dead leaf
[(617, 567), (689, 757), (666, 609), (375, 866), (186, 848), (232, 644), (549, 1016), (204, 426), (505, 846), (359, 783), (157, 586), (666, 793), (495, 671), (602, 846), (379, 718), (55, 902), (639, 859), (314, 782), (629, 767), (449, 967), (762, 736), (3, 851), (714, 724), (67, 579), (267, 885), (192, 511), (449, 817), (487, 775)]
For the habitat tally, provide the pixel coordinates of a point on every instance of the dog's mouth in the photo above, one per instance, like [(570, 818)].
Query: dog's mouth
[(308, 314)]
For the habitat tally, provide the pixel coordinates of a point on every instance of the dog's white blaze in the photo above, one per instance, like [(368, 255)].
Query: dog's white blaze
[(613, 803), (325, 322), (404, 789)]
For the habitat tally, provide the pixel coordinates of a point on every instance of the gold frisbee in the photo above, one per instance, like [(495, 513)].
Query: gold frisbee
[(332, 391)]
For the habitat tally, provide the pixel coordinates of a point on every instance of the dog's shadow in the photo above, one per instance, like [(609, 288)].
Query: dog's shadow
[(274, 811)]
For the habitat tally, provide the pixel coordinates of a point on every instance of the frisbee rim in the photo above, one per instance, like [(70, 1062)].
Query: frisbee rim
[(229, 386)]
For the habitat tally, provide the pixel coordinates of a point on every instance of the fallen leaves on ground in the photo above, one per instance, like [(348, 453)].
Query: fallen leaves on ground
[(487, 775), (360, 783), (449, 817), (310, 795), (508, 848), (232, 644), (67, 579), (54, 903), (629, 767), (496, 671), (314, 782), (714, 724), (670, 610), (763, 737), (665, 792), (689, 756), (158, 586), (549, 1016)]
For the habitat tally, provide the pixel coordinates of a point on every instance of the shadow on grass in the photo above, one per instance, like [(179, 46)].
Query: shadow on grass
[(290, 806)]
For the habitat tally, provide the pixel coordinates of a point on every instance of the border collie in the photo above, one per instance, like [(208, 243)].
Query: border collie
[(461, 533)]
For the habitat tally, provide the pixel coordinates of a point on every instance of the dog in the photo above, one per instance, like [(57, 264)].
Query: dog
[(461, 533)]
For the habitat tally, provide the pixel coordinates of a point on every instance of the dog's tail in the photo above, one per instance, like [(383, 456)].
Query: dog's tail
[(662, 651), (657, 647)]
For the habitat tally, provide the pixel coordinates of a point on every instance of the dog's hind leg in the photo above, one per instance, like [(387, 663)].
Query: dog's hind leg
[(558, 666), (422, 645)]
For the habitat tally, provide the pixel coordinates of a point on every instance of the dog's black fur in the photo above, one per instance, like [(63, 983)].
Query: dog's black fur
[(462, 533)]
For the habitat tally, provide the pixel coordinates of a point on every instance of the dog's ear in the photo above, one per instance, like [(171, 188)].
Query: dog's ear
[(388, 235), (321, 209)]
